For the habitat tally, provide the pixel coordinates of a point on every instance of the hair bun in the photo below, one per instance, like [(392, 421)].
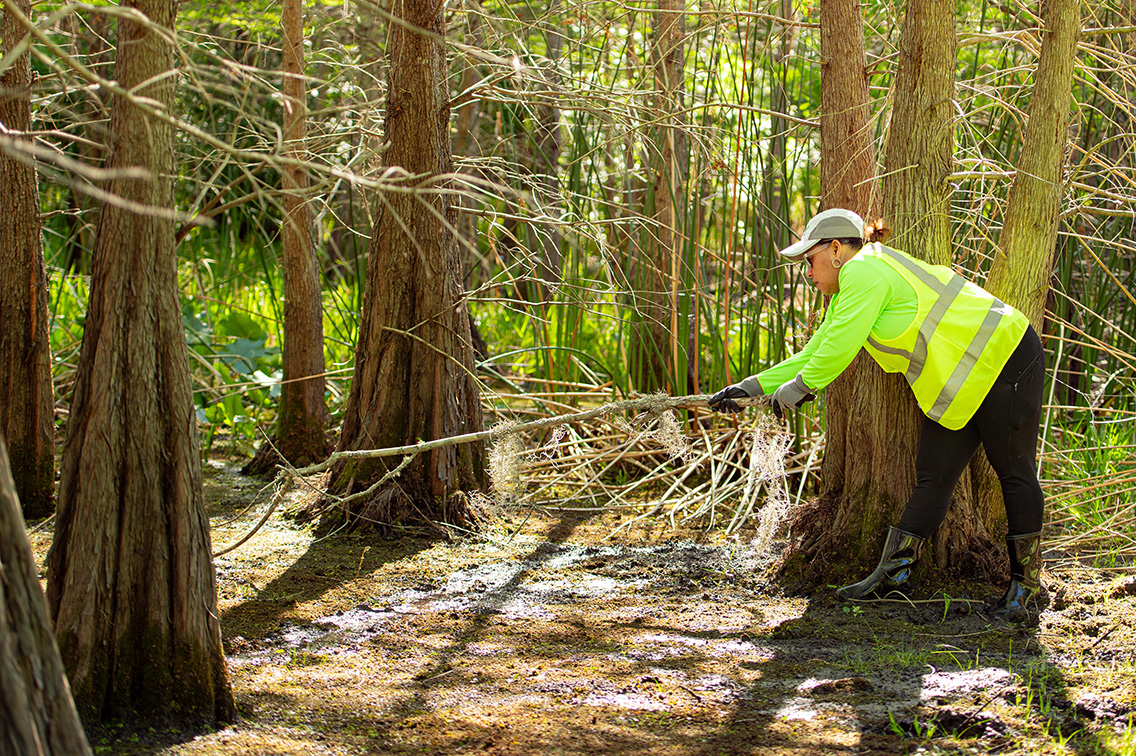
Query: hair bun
[(877, 231)]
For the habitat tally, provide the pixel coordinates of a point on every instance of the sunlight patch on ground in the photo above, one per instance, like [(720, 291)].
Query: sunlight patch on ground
[(940, 685), (798, 708), (631, 701)]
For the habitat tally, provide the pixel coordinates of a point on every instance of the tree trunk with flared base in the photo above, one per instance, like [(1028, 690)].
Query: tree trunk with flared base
[(1024, 261), (413, 378), (130, 581), (301, 423)]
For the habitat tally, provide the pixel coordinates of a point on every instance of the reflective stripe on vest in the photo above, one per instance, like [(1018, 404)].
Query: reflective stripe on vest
[(946, 295)]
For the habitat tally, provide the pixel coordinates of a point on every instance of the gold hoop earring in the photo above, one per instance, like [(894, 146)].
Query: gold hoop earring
[(836, 262)]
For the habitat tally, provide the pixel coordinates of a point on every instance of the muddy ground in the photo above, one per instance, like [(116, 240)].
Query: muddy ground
[(543, 636)]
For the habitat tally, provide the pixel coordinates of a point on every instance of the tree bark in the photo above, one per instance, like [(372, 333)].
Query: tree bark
[(130, 581), (301, 425), (413, 377), (1023, 264), (847, 154), (27, 406), (920, 148), (916, 200), (869, 467), (37, 715), (847, 173), (658, 350)]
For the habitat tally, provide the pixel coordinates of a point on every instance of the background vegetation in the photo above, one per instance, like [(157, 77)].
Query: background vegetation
[(558, 335)]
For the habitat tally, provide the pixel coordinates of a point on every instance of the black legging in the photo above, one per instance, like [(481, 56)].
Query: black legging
[(1007, 426)]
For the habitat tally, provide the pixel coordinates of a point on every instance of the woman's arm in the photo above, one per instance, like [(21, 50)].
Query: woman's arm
[(863, 295)]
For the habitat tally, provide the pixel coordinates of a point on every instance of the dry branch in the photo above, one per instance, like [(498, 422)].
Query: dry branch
[(654, 404)]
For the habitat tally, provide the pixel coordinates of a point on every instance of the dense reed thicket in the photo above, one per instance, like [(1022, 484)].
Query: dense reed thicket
[(559, 131)]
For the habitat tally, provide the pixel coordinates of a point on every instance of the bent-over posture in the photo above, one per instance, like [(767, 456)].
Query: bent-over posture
[(974, 363)]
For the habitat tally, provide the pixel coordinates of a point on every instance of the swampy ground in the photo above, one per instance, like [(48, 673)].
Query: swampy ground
[(544, 635)]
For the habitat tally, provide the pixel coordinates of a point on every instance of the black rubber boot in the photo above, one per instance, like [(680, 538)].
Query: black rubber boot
[(1025, 593), (901, 552)]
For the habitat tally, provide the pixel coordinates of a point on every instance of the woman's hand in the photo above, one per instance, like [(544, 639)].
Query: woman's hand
[(723, 401), (790, 395)]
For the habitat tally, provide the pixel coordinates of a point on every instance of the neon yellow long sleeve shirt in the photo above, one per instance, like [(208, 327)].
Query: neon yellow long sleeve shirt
[(873, 300)]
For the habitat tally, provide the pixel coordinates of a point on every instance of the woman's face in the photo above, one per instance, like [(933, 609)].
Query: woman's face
[(820, 269)]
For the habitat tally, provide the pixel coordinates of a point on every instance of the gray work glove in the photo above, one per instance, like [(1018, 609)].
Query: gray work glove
[(723, 401), (790, 395)]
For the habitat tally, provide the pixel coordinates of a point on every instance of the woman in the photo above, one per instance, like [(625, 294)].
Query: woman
[(974, 363)]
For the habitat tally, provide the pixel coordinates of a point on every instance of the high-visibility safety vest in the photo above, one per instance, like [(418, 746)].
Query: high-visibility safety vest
[(957, 343)]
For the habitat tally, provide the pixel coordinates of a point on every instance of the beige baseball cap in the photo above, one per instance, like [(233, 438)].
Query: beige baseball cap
[(836, 223)]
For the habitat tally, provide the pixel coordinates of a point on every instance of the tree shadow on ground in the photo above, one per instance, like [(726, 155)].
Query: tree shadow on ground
[(490, 603), (478, 627), (876, 678), (328, 563), (504, 650), (888, 677)]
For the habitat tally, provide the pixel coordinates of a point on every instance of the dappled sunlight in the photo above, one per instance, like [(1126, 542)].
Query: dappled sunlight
[(586, 243)]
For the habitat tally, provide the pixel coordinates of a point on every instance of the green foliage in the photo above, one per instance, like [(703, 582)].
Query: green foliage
[(1122, 743), (243, 373), (750, 92)]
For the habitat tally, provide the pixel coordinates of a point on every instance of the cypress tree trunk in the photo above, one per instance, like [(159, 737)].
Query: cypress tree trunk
[(301, 425), (1024, 261), (847, 173), (920, 158), (847, 154), (37, 715), (920, 148), (130, 581), (413, 377), (1023, 264), (27, 406)]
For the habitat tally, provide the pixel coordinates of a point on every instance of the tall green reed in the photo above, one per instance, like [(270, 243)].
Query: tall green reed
[(750, 92)]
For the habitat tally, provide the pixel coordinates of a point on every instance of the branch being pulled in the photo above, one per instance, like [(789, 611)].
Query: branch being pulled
[(657, 404), (653, 403)]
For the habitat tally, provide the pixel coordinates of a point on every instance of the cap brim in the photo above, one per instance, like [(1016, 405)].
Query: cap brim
[(794, 252)]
